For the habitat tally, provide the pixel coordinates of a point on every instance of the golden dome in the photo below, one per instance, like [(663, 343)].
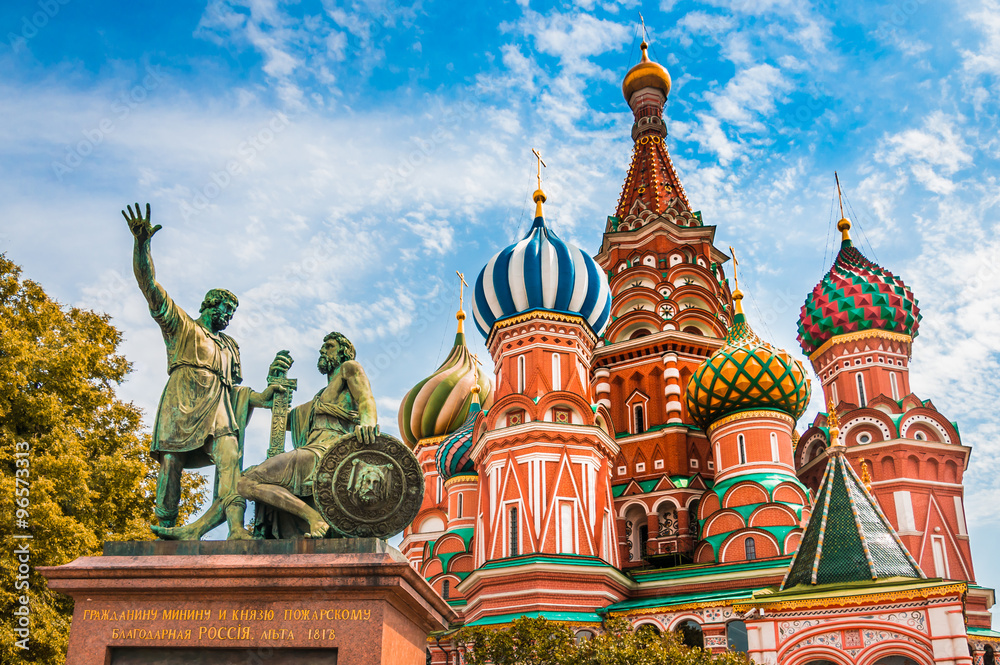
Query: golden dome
[(647, 74)]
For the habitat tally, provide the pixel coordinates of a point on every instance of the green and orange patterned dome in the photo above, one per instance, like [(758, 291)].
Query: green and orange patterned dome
[(438, 405), (856, 295), (747, 373)]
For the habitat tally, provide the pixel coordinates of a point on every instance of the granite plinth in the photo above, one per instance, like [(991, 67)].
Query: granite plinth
[(346, 601)]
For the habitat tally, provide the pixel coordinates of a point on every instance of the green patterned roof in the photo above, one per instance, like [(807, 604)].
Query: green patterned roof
[(856, 295), (746, 373), (848, 538)]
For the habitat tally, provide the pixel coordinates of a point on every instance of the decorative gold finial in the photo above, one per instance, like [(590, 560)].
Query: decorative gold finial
[(844, 225), (833, 422), (539, 196), (644, 45), (460, 314), (865, 478), (737, 294), (475, 379)]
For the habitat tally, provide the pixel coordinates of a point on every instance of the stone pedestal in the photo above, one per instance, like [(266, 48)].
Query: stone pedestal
[(324, 602)]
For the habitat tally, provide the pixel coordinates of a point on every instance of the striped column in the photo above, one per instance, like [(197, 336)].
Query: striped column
[(672, 389), (602, 387)]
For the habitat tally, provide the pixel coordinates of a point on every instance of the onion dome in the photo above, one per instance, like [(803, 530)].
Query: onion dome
[(454, 454), (647, 74), (746, 373), (439, 404), (856, 295), (541, 272)]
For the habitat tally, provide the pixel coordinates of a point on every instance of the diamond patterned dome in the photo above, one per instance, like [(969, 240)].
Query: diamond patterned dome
[(746, 373), (856, 295), (454, 454)]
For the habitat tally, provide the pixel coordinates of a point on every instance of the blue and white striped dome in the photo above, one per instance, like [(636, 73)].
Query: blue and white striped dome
[(541, 272)]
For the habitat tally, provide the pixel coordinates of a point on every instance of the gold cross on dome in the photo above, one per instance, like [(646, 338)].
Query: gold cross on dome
[(643, 27), (461, 290), (540, 165), (736, 266)]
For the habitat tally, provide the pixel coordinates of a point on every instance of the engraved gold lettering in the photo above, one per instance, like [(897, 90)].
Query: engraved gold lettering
[(222, 615), (201, 631), (245, 635)]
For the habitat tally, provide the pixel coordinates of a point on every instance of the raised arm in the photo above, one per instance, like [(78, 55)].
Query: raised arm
[(361, 391), (142, 259)]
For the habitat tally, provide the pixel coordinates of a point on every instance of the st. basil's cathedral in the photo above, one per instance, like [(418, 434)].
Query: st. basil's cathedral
[(637, 454)]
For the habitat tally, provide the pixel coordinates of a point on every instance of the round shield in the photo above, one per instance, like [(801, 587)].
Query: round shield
[(368, 491)]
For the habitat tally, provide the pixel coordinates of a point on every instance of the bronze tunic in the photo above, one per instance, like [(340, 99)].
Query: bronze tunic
[(197, 402)]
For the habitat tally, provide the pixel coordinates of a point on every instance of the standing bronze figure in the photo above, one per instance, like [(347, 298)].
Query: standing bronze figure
[(203, 411)]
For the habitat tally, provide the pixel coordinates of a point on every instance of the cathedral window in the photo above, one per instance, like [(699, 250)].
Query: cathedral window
[(458, 507), (893, 386), (774, 447), (741, 443), (556, 372), (639, 419), (750, 548), (520, 374), (446, 589), (862, 398), (513, 532)]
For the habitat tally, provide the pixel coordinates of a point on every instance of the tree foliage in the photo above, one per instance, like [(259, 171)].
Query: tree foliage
[(529, 641), (89, 475)]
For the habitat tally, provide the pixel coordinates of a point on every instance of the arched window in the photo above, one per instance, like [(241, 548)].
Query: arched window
[(750, 548), (774, 447), (458, 501), (446, 589), (692, 330), (643, 540), (584, 635), (736, 636), (693, 523), (989, 656), (741, 443), (520, 374), (893, 386), (640, 419), (691, 634), (895, 660), (513, 531), (833, 392), (862, 398), (556, 372)]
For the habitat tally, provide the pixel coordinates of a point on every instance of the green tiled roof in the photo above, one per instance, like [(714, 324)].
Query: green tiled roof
[(722, 597), (564, 559), (701, 569), (848, 539), (982, 632), (575, 617)]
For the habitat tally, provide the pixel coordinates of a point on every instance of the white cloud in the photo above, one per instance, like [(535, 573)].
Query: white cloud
[(985, 60), (932, 154)]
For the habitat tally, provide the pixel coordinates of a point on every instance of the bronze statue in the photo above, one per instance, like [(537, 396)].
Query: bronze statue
[(203, 411), (344, 409)]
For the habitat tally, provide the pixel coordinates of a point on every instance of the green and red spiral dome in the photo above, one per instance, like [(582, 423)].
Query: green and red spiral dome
[(856, 295)]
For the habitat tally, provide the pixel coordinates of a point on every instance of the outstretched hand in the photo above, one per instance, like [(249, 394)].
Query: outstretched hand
[(140, 226)]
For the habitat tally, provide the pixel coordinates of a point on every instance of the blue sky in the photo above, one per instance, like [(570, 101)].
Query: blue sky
[(334, 164)]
